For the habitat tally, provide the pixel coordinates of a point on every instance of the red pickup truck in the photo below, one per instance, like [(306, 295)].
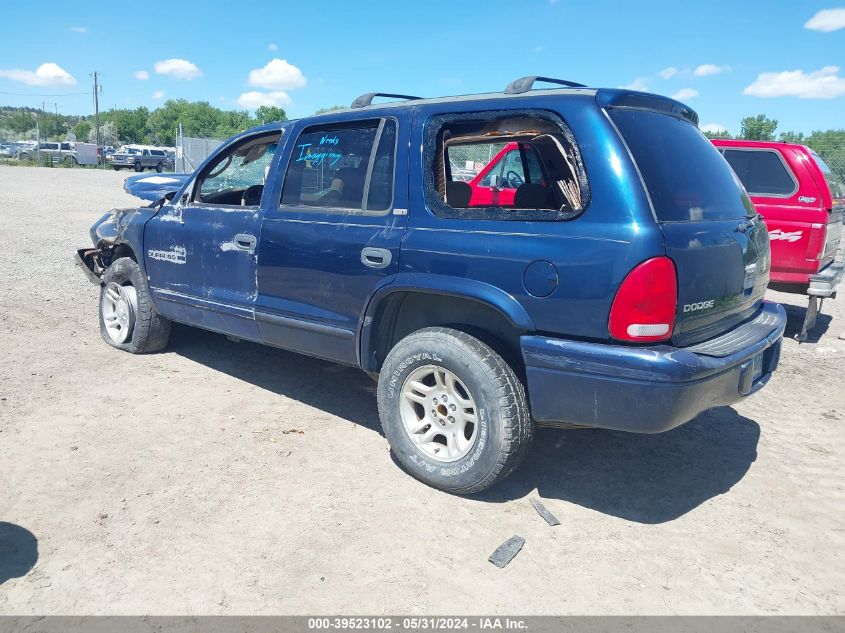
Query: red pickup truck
[(803, 205)]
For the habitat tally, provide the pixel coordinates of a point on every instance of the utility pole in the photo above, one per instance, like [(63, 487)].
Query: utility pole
[(97, 110), (56, 106)]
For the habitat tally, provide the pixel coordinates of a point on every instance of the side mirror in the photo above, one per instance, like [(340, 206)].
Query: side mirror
[(495, 182)]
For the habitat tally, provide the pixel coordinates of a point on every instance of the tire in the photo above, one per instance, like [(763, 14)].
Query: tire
[(159, 168), (138, 167), (115, 167), (502, 429), (138, 329)]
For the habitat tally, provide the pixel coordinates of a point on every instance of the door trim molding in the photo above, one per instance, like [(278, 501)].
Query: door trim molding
[(299, 324)]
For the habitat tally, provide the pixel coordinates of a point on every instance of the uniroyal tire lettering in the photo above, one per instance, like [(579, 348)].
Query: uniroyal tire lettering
[(405, 364)]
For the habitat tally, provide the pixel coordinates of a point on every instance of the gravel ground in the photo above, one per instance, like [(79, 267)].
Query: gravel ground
[(229, 478)]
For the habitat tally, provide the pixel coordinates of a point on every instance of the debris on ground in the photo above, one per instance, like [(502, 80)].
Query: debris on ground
[(544, 512), (506, 552), (293, 431)]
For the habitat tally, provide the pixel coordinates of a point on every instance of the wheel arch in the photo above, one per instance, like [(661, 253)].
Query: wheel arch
[(414, 302)]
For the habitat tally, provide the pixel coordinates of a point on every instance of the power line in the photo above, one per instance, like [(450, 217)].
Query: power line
[(29, 94)]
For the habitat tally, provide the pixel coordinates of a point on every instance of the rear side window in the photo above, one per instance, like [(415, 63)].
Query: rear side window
[(503, 165), (343, 168), (762, 172), (686, 177)]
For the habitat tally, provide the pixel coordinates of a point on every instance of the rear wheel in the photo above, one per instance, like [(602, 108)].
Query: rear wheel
[(115, 167), (159, 168), (128, 319), (454, 412)]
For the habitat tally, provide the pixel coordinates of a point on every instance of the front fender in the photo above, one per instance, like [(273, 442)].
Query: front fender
[(123, 226), (443, 285)]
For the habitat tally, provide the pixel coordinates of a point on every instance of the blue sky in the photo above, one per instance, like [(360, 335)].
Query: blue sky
[(725, 59)]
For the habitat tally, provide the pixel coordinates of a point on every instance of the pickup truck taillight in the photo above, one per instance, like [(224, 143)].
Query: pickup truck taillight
[(646, 302)]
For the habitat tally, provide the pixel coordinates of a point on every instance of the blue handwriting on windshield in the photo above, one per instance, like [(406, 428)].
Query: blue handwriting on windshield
[(318, 157)]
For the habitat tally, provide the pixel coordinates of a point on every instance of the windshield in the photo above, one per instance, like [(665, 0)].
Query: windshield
[(686, 177), (836, 182)]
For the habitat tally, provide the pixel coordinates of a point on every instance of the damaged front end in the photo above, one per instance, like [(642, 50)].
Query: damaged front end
[(117, 234)]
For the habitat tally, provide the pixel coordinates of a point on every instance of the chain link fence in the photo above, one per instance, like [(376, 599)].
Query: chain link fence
[(191, 151)]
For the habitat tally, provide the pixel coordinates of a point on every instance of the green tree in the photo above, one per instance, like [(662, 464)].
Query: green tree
[(131, 124), (81, 130), (233, 122), (720, 134), (330, 109), (108, 134), (268, 114), (198, 118), (758, 128), (19, 121), (792, 137)]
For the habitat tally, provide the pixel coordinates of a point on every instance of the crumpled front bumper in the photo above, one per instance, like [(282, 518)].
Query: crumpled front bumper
[(649, 389)]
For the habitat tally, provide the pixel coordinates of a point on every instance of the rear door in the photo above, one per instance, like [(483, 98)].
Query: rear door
[(335, 235), (713, 235)]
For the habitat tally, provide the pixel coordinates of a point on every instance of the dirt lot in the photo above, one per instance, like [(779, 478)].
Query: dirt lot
[(223, 477)]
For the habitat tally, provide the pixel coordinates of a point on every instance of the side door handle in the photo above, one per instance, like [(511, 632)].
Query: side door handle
[(245, 242), (376, 257)]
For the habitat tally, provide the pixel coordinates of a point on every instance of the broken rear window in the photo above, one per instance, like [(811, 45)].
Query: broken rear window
[(505, 165)]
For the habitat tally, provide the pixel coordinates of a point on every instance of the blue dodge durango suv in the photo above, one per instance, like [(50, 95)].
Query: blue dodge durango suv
[(618, 285)]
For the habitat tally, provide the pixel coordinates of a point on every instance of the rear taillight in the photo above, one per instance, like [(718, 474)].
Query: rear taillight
[(645, 304)]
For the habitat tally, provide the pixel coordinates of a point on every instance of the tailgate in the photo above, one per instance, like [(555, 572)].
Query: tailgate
[(717, 242)]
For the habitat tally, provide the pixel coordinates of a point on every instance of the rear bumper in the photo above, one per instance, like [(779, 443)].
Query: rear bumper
[(649, 389), (824, 283)]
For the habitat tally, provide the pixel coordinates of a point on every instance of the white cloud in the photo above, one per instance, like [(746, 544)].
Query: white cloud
[(685, 93), (272, 46), (278, 74), (178, 69), (640, 83), (158, 94), (252, 100), (710, 69), (79, 29), (48, 74), (827, 20), (714, 128), (668, 73), (819, 84), (143, 75)]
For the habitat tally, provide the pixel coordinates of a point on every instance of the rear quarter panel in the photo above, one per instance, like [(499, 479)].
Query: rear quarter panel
[(587, 257)]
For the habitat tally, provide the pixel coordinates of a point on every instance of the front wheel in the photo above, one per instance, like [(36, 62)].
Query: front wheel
[(454, 412), (128, 319), (138, 167)]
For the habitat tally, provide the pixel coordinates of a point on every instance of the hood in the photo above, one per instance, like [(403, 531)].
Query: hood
[(154, 187)]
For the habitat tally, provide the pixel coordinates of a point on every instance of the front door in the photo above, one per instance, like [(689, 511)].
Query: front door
[(200, 251), (333, 234)]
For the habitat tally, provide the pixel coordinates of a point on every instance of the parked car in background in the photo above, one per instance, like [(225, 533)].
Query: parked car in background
[(7, 150), (139, 158), (154, 188), (621, 287), (803, 205), (498, 181), (55, 152)]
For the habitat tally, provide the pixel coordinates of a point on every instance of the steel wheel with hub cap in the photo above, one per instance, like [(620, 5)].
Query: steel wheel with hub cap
[(119, 304), (128, 318), (454, 412)]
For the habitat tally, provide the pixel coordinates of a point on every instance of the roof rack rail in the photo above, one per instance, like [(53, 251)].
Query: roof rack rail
[(524, 84), (367, 99)]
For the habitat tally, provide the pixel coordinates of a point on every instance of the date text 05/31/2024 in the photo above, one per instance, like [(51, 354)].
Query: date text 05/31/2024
[(417, 623)]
